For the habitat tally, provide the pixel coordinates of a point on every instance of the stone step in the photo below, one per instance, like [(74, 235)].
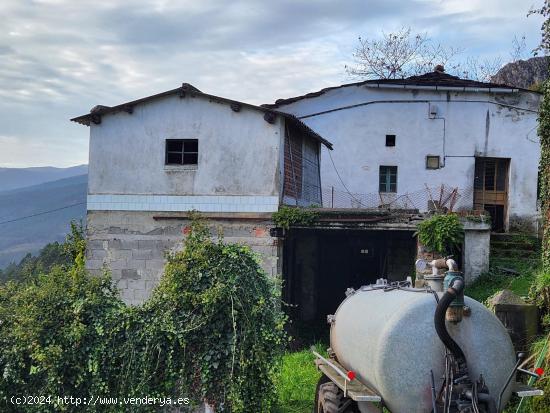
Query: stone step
[(513, 253), (510, 261), (510, 245), (513, 237)]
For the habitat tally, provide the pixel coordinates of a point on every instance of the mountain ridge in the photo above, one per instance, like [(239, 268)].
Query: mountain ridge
[(525, 74), (14, 178), (33, 216)]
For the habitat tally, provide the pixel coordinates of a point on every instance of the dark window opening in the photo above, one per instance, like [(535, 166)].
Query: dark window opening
[(390, 140), (432, 162), (491, 174), (497, 216), (388, 179), (182, 152)]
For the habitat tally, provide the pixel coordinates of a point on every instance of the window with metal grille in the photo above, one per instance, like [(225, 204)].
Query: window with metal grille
[(182, 152), (390, 140), (388, 179)]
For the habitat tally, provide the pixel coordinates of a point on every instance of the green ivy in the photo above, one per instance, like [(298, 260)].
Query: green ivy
[(287, 216), (544, 172), (442, 233), (212, 331), (479, 219)]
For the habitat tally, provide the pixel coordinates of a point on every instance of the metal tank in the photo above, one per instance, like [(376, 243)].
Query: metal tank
[(388, 338)]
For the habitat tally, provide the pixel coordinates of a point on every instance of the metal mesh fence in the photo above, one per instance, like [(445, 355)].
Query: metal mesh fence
[(302, 186), (426, 199)]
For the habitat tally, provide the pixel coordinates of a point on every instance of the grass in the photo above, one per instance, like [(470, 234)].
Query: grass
[(297, 381), (490, 283), (496, 279)]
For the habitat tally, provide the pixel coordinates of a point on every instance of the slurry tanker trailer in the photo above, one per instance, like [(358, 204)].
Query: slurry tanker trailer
[(418, 350)]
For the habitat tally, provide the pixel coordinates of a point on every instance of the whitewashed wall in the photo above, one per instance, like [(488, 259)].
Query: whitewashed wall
[(238, 168), (475, 125), (239, 171)]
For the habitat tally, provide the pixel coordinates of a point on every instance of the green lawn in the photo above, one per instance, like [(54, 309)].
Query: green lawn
[(297, 380)]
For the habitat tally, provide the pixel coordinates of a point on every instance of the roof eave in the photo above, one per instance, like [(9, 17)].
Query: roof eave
[(444, 88), (88, 118)]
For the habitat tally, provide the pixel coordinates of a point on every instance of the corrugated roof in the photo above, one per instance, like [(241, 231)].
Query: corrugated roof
[(96, 112), (431, 79)]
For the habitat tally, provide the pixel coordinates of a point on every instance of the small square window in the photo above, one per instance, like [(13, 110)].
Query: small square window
[(182, 152), (390, 140), (432, 162)]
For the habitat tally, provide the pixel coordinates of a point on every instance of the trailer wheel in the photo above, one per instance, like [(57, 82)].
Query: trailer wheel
[(330, 399)]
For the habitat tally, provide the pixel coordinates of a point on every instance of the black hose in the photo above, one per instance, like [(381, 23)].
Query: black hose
[(483, 398), (439, 320), (488, 401)]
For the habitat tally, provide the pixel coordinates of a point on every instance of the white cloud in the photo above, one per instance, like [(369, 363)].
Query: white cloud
[(62, 57), (18, 152)]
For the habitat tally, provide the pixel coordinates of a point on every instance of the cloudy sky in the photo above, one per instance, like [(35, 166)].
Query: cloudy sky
[(59, 58)]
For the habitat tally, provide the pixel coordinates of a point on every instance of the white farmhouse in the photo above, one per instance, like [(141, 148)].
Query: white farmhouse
[(154, 159), (400, 147), (395, 138)]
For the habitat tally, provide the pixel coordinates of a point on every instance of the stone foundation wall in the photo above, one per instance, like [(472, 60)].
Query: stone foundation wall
[(132, 245)]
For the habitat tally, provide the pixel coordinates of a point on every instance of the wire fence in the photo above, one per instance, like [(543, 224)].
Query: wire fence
[(427, 199)]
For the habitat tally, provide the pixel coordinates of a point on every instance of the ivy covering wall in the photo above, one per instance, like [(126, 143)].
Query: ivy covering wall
[(544, 172), (212, 331)]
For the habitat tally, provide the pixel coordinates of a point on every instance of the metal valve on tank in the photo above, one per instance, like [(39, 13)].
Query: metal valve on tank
[(441, 282)]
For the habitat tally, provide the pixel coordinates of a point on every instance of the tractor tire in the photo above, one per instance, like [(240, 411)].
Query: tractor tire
[(330, 399)]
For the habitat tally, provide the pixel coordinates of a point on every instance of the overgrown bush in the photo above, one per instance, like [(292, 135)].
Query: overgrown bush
[(213, 330), (540, 292), (442, 233), (229, 312), (540, 404), (540, 295)]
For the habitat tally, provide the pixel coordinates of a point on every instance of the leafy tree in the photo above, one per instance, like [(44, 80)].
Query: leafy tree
[(53, 254), (75, 242)]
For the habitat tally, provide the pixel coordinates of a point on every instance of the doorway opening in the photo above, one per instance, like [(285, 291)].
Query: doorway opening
[(491, 190)]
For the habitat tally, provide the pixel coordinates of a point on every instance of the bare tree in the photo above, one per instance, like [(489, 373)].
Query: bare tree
[(482, 70), (518, 48), (399, 54)]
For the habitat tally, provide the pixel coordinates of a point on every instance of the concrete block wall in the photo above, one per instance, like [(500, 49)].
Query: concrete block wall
[(132, 245)]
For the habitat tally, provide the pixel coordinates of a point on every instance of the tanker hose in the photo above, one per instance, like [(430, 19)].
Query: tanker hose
[(452, 292), (488, 402), (485, 399)]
